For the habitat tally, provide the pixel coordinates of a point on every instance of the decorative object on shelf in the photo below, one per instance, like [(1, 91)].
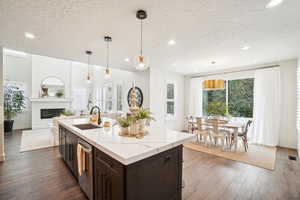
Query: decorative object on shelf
[(52, 87), (88, 78), (59, 94), (142, 60), (107, 71), (138, 95), (14, 103), (213, 84)]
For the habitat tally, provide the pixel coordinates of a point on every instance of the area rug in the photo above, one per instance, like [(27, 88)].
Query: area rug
[(257, 155), (36, 139)]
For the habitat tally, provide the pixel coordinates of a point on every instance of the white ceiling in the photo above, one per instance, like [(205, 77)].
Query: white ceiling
[(205, 31)]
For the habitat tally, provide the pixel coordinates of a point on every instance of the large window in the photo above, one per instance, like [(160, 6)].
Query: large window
[(237, 95)]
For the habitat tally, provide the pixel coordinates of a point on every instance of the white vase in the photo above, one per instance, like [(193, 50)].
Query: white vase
[(124, 130), (142, 124), (134, 128)]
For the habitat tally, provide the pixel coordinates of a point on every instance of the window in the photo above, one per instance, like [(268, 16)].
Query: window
[(108, 97), (237, 96), (170, 100), (119, 97)]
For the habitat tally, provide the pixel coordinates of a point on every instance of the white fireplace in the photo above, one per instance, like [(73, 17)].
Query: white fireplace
[(39, 104)]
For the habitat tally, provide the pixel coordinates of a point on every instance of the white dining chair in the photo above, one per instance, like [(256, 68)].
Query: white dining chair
[(219, 134), (203, 133)]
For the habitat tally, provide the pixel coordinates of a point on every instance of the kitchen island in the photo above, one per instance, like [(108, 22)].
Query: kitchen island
[(124, 168)]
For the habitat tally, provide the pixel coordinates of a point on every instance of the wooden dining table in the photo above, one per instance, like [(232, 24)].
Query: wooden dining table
[(233, 125)]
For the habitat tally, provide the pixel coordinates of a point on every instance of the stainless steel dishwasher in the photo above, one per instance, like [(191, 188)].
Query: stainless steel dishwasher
[(85, 176)]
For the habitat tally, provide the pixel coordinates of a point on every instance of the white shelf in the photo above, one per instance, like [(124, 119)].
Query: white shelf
[(49, 100)]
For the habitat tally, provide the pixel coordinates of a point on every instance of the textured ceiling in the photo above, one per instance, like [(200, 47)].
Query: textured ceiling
[(205, 31)]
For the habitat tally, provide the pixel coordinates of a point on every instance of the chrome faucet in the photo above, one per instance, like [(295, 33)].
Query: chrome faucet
[(99, 113)]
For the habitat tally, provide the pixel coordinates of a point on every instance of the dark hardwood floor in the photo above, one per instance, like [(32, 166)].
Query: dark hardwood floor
[(42, 175)]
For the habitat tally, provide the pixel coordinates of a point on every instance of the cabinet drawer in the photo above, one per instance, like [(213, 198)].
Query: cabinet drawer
[(108, 161)]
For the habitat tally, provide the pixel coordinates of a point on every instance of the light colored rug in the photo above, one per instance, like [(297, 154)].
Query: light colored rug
[(257, 155), (36, 139)]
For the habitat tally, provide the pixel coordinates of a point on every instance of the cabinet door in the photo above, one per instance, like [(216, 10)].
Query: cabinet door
[(62, 142), (108, 178), (157, 177)]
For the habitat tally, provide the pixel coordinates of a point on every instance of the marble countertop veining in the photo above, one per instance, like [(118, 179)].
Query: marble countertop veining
[(128, 150)]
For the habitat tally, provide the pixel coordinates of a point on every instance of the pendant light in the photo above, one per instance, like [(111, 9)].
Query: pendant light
[(141, 61), (107, 71), (213, 84), (88, 78)]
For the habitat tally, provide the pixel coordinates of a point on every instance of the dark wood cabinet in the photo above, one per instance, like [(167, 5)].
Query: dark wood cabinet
[(158, 177), (68, 149), (108, 177)]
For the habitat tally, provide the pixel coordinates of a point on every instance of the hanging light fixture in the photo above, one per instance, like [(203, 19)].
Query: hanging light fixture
[(141, 61), (88, 78), (213, 84), (107, 71)]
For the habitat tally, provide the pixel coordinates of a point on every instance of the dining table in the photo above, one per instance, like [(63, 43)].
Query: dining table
[(227, 124)]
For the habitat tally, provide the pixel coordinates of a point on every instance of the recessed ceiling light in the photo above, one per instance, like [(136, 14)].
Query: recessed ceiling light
[(245, 47), (254, 61), (29, 35), (273, 3), (171, 42), (127, 59)]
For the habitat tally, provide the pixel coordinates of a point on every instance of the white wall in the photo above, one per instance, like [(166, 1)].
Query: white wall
[(18, 69), (2, 155), (298, 105), (288, 133), (158, 90)]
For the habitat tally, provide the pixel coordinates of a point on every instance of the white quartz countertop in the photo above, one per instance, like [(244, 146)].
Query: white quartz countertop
[(128, 150)]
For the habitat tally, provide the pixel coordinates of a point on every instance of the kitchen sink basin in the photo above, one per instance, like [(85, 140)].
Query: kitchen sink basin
[(86, 126)]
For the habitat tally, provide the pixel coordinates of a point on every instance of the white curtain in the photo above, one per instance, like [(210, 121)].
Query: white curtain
[(266, 107), (195, 97)]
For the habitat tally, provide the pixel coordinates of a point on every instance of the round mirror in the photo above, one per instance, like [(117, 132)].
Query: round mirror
[(53, 87)]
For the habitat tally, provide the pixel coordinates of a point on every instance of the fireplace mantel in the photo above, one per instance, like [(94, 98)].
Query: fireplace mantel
[(49, 100)]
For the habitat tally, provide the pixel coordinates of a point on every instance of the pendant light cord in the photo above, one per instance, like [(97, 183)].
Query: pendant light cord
[(141, 37), (107, 54), (88, 65)]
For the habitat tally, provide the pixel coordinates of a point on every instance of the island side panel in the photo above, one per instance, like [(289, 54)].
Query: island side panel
[(158, 177)]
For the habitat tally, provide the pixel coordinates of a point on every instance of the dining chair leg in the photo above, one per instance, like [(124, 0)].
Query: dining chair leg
[(244, 142)]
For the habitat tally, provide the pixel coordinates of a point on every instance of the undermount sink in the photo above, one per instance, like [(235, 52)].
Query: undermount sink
[(86, 126)]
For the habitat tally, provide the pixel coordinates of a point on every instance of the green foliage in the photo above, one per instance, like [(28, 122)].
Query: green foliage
[(240, 97), (125, 121), (216, 108), (14, 101), (59, 94), (144, 114), (68, 113)]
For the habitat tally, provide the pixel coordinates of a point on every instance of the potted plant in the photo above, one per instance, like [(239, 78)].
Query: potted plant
[(144, 116), (14, 103), (124, 123), (59, 94), (216, 109)]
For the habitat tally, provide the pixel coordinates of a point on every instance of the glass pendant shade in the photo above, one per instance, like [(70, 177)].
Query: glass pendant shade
[(88, 80), (107, 73), (141, 63), (213, 84)]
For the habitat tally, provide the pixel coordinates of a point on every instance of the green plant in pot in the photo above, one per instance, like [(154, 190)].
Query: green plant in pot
[(124, 123), (14, 103), (216, 109), (59, 94), (144, 116)]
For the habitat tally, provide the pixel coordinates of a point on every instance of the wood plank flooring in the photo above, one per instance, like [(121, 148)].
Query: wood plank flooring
[(42, 175)]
